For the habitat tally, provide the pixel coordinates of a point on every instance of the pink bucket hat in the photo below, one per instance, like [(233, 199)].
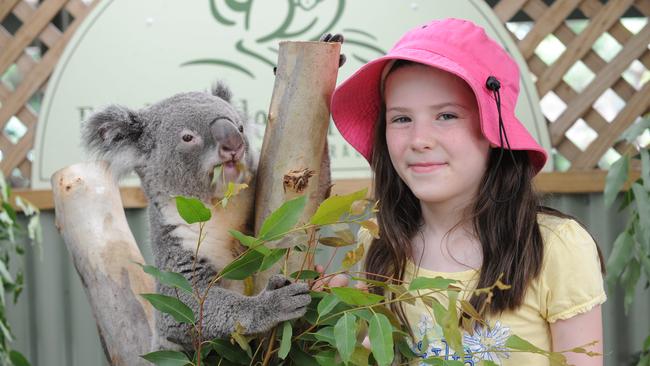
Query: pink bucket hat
[(456, 46)]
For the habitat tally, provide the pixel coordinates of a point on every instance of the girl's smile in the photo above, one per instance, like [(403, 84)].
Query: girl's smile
[(426, 167)]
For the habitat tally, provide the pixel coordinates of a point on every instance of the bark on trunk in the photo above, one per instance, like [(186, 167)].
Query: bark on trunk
[(90, 216), (294, 159)]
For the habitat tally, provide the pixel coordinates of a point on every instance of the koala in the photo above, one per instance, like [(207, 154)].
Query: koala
[(174, 146)]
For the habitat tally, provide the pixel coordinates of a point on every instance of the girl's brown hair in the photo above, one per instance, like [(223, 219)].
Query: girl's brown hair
[(503, 216)]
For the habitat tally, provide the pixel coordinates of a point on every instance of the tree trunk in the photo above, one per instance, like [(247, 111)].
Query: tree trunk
[(90, 216), (294, 159)]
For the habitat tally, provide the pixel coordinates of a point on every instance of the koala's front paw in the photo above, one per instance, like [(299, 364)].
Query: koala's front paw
[(286, 300)]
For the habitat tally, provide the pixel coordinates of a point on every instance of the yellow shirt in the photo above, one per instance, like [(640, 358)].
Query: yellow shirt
[(570, 283)]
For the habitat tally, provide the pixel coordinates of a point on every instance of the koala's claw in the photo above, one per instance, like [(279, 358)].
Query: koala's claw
[(329, 37), (337, 37), (277, 281)]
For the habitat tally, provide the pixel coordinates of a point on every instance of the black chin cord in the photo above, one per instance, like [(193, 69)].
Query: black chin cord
[(493, 84)]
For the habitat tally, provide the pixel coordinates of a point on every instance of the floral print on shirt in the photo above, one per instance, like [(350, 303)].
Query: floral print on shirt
[(487, 343)]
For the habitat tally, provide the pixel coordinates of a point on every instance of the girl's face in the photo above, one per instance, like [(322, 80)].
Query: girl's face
[(433, 134)]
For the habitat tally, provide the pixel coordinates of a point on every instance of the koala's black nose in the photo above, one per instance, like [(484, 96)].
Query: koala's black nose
[(229, 139)]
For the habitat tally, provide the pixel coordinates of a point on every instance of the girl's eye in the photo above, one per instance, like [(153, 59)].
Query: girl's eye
[(241, 129), (401, 119), (187, 137), (446, 116)]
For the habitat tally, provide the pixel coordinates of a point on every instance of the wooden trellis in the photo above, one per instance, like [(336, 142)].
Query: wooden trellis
[(39, 27), (602, 18), (36, 30)]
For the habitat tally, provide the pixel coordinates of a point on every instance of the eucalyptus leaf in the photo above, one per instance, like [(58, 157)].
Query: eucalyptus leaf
[(333, 241), (248, 241), (301, 358), (272, 258), (353, 257), (4, 273), (282, 219), (326, 358), (229, 351), (10, 211), (17, 359), (330, 210), (326, 334), (238, 337), (192, 210), (426, 283), (345, 335), (172, 306), (629, 281), (372, 228), (620, 256), (167, 358), (450, 328), (285, 341), (244, 266), (172, 279), (327, 304), (381, 339), (642, 200), (353, 296), (635, 130), (520, 344), (305, 274), (360, 356), (616, 177)]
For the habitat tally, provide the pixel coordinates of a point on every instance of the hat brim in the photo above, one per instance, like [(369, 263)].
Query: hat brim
[(356, 104)]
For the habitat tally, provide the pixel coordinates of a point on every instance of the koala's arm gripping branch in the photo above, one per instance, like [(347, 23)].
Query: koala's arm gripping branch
[(295, 142), (90, 216)]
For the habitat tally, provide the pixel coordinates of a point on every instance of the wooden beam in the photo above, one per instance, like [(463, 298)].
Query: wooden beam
[(589, 181)]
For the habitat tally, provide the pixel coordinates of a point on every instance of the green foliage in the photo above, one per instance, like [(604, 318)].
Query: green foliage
[(338, 319), (167, 358), (12, 238), (630, 257), (285, 343), (192, 210), (282, 219), (629, 260), (171, 279), (172, 306)]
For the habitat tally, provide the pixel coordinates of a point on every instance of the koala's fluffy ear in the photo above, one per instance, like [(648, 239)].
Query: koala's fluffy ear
[(220, 90), (116, 134)]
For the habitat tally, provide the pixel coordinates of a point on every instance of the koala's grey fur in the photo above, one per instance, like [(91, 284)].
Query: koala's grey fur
[(153, 142)]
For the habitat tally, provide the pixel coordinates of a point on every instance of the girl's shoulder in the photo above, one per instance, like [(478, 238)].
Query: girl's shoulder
[(560, 231)]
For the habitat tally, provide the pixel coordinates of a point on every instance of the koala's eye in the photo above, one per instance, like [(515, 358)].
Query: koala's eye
[(241, 128), (187, 137)]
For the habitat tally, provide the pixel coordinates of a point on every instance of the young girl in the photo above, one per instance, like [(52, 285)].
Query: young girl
[(453, 170)]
